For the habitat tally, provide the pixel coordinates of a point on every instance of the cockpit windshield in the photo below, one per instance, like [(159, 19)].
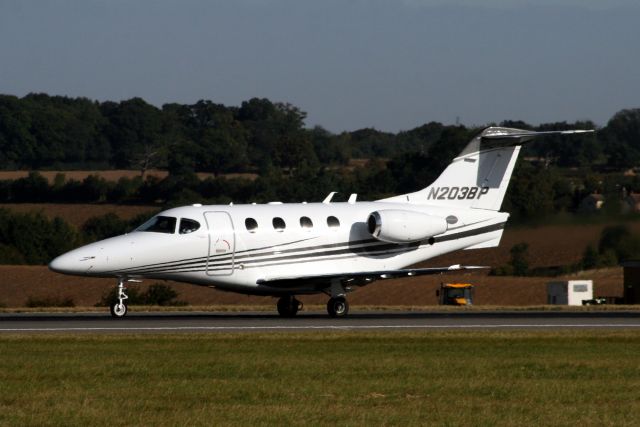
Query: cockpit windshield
[(159, 224)]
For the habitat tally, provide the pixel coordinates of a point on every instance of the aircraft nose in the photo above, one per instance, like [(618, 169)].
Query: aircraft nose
[(71, 263)]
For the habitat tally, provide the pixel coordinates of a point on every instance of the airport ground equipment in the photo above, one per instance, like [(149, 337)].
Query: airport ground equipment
[(456, 293)]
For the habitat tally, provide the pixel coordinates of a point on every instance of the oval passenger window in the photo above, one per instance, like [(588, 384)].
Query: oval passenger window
[(278, 224), (306, 223), (333, 222), (251, 225)]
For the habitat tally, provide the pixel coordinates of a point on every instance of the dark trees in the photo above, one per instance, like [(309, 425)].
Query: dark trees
[(135, 132)]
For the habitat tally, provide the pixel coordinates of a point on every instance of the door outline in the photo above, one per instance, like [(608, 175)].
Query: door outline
[(209, 217)]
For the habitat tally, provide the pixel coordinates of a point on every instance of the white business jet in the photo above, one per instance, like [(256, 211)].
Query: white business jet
[(290, 249)]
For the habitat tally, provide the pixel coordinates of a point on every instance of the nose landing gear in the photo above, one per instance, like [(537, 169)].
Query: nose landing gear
[(119, 307)]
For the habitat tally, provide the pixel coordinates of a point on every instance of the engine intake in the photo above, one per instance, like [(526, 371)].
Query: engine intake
[(399, 226)]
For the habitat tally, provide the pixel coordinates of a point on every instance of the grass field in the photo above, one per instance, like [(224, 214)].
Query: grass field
[(445, 378)]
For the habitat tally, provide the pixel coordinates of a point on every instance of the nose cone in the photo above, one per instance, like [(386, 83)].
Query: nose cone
[(94, 258), (70, 263)]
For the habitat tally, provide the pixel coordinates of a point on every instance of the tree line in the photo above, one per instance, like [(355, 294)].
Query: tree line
[(40, 131), (534, 194), (294, 163), (54, 132), (32, 238)]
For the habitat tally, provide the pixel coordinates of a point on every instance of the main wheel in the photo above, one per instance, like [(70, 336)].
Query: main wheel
[(118, 309), (338, 307), (288, 306)]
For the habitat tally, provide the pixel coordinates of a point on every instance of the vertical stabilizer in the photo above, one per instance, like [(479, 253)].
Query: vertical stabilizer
[(479, 177)]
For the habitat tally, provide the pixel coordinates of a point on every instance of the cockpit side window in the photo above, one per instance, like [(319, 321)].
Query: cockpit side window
[(159, 224), (188, 226)]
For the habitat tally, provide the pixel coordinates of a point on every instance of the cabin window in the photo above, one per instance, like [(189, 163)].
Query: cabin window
[(333, 222), (188, 226), (251, 225), (278, 224), (306, 223), (159, 224)]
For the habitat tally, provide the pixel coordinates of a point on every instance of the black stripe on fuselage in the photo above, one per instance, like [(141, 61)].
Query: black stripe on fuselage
[(200, 259), (240, 255), (469, 233), (273, 262), (308, 253), (379, 248)]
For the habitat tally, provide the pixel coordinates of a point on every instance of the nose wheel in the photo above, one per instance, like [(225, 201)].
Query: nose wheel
[(119, 307)]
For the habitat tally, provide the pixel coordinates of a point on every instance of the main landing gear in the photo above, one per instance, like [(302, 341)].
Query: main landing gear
[(338, 307), (119, 307), (288, 306)]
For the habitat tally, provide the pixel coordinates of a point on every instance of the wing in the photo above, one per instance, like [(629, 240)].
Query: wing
[(359, 278)]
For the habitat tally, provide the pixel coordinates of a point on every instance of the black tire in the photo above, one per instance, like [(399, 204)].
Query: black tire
[(118, 310), (338, 307), (288, 306)]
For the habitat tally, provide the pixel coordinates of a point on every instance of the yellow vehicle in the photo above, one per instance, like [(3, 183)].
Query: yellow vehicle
[(456, 294)]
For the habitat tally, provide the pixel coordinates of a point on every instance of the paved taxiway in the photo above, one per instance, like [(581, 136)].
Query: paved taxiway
[(187, 322)]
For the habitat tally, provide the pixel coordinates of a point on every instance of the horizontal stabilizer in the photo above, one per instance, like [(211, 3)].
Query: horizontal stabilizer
[(519, 137), (362, 278)]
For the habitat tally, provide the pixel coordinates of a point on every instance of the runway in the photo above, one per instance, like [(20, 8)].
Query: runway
[(217, 322)]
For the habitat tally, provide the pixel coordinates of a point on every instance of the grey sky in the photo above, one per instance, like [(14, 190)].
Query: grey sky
[(349, 64)]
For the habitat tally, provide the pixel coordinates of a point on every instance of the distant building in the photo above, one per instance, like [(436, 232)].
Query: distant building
[(631, 271), (591, 203), (569, 292)]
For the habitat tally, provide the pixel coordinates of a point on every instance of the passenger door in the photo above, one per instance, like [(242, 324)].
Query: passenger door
[(222, 244)]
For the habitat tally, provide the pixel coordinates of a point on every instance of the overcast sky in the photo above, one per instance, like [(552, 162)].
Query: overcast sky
[(391, 65)]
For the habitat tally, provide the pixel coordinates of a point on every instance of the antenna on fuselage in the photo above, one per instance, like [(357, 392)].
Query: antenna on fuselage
[(327, 199), (352, 198)]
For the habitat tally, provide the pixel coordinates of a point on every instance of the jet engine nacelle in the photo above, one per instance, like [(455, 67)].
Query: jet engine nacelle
[(399, 226)]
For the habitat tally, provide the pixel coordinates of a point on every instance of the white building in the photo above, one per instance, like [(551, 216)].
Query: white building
[(569, 292)]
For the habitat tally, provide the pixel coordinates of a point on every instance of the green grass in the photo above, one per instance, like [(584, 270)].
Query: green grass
[(343, 378)]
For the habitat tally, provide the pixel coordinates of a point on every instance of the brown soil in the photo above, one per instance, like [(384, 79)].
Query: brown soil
[(20, 283), (552, 245)]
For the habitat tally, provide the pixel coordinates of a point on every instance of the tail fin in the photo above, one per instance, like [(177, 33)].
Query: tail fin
[(478, 178)]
